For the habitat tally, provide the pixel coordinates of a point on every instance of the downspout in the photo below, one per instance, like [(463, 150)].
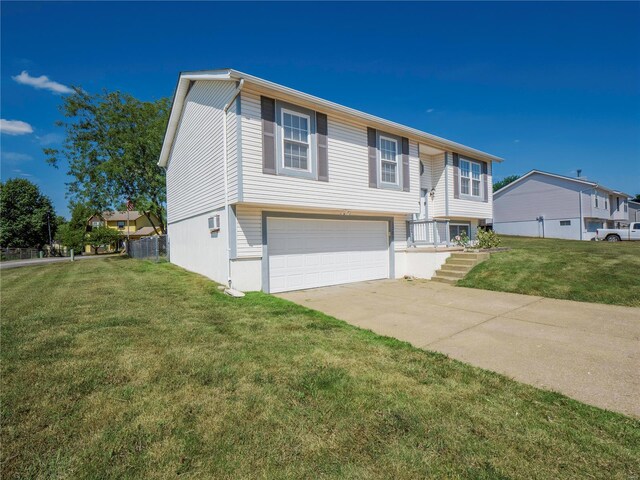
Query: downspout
[(226, 173)]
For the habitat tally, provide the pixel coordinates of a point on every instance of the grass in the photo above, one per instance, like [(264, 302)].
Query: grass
[(600, 272), (116, 368)]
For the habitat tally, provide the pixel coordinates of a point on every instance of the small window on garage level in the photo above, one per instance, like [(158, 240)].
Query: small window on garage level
[(565, 223)]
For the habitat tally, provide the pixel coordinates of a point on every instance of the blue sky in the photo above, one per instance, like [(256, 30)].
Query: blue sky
[(553, 86)]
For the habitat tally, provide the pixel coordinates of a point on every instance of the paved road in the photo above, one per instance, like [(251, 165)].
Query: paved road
[(588, 351), (44, 261)]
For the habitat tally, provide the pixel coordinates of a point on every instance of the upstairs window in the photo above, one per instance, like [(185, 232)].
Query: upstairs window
[(596, 197), (388, 160), (295, 139), (120, 224), (470, 178)]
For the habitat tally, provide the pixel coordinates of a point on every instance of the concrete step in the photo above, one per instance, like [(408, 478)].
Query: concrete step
[(461, 261), (455, 267), (469, 255), (450, 281), (450, 273)]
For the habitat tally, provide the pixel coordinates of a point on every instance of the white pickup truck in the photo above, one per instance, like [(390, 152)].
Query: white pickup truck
[(632, 232)]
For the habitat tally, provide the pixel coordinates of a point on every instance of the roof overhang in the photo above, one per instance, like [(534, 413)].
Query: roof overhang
[(303, 99)]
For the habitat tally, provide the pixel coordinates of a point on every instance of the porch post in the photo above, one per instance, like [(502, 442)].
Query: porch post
[(448, 233), (434, 227)]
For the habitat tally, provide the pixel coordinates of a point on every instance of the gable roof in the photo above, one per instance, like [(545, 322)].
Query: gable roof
[(119, 216), (185, 79), (562, 177)]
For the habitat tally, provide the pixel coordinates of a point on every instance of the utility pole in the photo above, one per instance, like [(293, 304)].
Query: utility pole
[(49, 227)]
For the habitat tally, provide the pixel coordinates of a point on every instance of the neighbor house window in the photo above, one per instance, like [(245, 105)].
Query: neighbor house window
[(388, 160), (120, 224), (470, 178), (606, 204), (617, 203), (96, 224), (295, 139), (565, 223), (596, 200)]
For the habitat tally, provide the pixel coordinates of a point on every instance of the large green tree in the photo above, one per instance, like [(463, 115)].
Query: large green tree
[(25, 215), (112, 145), (102, 236), (504, 182)]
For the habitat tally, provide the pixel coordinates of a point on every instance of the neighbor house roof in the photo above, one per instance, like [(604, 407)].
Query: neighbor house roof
[(185, 79), (144, 231), (555, 175), (117, 216)]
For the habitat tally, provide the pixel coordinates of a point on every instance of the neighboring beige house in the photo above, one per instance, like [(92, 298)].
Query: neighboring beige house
[(135, 223), (272, 189), (542, 204)]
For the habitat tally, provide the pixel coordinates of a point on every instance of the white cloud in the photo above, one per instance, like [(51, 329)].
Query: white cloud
[(15, 157), (15, 127), (42, 82), (49, 139), (430, 110)]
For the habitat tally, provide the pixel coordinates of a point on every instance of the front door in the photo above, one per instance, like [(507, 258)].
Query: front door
[(424, 196)]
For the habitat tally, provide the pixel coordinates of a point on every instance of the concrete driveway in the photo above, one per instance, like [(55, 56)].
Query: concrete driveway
[(588, 351)]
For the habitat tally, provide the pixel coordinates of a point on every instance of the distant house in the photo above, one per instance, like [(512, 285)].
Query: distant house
[(135, 223), (542, 204), (634, 211)]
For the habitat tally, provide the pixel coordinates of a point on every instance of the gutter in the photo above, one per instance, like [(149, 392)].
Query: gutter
[(226, 174)]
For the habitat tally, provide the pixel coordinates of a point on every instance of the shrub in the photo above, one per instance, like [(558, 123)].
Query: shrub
[(487, 239), (461, 240)]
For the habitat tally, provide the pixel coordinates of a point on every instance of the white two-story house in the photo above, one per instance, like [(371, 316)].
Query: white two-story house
[(272, 189)]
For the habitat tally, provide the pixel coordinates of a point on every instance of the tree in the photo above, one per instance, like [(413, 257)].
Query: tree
[(504, 182), (71, 237), (637, 198), (112, 145), (100, 236), (25, 215)]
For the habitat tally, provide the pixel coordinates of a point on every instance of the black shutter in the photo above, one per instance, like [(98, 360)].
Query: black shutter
[(456, 176), (485, 181), (373, 157), (323, 153), (406, 173), (268, 111)]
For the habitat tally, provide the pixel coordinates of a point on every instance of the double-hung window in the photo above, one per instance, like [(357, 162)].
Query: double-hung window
[(388, 161), (296, 140), (470, 178)]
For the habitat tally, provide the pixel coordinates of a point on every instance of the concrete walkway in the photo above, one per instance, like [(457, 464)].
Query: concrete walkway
[(588, 351)]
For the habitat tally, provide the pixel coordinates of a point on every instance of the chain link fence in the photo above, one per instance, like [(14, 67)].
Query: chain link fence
[(150, 248)]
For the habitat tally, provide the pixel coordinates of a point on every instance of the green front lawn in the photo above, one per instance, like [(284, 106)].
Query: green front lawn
[(600, 272), (116, 368)]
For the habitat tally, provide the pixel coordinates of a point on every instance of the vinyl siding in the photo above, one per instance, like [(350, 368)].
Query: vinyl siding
[(459, 207), (541, 195), (433, 178), (348, 185), (195, 183), (249, 228)]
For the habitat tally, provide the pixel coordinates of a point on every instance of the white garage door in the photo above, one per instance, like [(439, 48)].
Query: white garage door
[(308, 253)]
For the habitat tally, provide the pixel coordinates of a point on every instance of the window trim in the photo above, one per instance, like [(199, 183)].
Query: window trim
[(381, 182), (284, 110), (470, 195)]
